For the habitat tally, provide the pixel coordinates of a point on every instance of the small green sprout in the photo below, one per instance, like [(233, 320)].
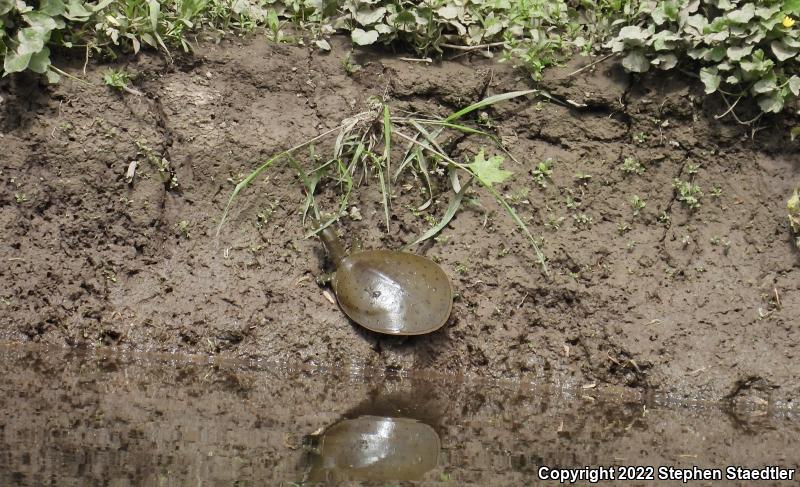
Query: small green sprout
[(632, 166), (119, 79), (543, 171), (183, 228), (583, 220), (688, 193), (637, 204)]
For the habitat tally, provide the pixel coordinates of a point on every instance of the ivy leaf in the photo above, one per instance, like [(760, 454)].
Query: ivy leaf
[(448, 12), (40, 22), (30, 40), (15, 62), (794, 85), (363, 38), (368, 17), (488, 171), (405, 20), (52, 77), (633, 35), (665, 61), (382, 29), (710, 79), (764, 85), (40, 61), (736, 53), (77, 12), (323, 44), (742, 15), (6, 6), (782, 51), (767, 12), (772, 103), (636, 62), (49, 7)]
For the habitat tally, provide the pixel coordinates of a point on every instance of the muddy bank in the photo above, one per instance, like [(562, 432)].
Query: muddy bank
[(133, 419), (702, 303)]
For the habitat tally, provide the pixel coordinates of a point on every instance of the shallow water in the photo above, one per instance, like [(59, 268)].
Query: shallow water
[(86, 418)]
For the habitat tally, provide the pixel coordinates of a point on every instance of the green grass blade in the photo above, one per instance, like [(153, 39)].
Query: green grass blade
[(539, 255), (422, 162), (246, 181), (243, 184), (452, 207), (488, 101), (310, 184), (456, 126), (387, 157)]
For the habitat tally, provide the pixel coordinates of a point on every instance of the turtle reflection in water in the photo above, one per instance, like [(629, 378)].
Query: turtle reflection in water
[(374, 448), (396, 293)]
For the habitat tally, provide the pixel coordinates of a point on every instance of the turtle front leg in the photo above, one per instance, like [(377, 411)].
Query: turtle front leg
[(324, 279)]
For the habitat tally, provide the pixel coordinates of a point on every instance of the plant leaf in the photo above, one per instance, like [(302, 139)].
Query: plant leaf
[(794, 85), (488, 171), (452, 207), (772, 103), (40, 61), (363, 38), (15, 62), (782, 51), (742, 15), (736, 53), (491, 100), (6, 6), (323, 44), (52, 77), (765, 85), (665, 61), (155, 10), (710, 79), (48, 7), (636, 62), (31, 40), (365, 16)]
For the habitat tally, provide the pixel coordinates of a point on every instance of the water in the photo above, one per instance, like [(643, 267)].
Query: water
[(87, 418)]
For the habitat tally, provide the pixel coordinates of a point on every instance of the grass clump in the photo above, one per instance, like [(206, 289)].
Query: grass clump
[(364, 146)]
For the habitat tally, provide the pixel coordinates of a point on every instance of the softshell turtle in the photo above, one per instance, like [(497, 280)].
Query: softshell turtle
[(375, 448), (391, 292)]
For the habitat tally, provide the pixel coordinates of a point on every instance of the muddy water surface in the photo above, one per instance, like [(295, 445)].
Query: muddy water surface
[(90, 418)]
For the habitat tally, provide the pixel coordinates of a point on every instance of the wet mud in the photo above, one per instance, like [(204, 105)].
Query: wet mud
[(96, 418), (696, 303)]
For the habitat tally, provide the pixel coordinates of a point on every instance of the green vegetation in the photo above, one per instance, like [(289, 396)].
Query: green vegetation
[(632, 166), (793, 207), (542, 172), (366, 146), (737, 48), (637, 204), (688, 193)]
